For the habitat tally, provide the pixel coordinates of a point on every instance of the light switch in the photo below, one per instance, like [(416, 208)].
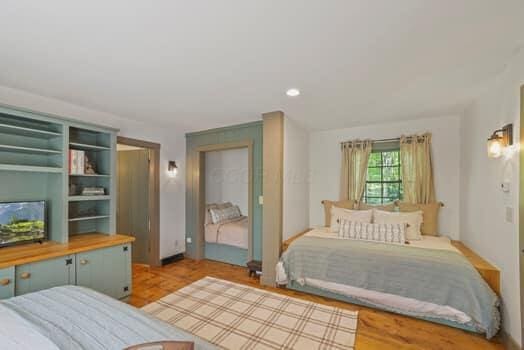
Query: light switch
[(509, 215), (261, 200), (188, 240), (505, 187)]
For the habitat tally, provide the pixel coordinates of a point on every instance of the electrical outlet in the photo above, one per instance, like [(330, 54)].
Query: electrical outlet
[(188, 240)]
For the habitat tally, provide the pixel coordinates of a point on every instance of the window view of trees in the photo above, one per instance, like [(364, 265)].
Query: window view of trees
[(384, 183)]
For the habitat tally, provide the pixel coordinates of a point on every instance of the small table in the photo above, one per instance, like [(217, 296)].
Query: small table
[(254, 266)]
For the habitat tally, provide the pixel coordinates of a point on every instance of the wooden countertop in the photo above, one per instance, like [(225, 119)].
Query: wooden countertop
[(28, 253), (489, 273)]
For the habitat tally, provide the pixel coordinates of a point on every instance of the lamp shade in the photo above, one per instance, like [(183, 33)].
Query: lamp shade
[(495, 146)]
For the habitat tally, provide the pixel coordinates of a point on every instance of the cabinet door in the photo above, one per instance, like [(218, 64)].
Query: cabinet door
[(106, 270), (7, 283), (44, 274)]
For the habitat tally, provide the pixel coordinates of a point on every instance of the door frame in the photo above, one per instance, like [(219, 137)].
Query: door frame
[(521, 211), (201, 192), (154, 195)]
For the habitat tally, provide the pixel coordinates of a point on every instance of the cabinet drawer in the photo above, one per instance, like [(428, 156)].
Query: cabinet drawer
[(44, 274), (107, 270), (7, 283)]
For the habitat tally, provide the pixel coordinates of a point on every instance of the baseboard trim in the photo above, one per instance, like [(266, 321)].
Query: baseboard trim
[(509, 342), (171, 259)]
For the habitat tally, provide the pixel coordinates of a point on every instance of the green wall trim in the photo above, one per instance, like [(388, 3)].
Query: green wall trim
[(225, 128), (236, 133)]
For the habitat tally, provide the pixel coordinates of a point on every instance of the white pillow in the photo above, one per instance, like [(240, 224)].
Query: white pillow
[(221, 215), (412, 219), (384, 233), (352, 215)]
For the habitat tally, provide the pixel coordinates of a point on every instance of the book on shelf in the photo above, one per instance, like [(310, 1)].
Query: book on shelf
[(76, 162)]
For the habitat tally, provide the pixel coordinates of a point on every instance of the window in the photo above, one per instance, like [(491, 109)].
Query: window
[(383, 182)]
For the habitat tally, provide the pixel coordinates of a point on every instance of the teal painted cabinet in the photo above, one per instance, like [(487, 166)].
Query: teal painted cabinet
[(106, 270), (7, 283), (45, 274)]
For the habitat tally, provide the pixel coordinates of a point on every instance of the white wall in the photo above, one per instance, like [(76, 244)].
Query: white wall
[(483, 209), (325, 163), (172, 191), (227, 177), (296, 179)]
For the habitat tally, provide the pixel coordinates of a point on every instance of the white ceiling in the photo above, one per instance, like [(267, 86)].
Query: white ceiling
[(204, 63)]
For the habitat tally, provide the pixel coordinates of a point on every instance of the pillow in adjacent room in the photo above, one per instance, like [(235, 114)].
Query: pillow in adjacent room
[(430, 215), (412, 219), (346, 204), (220, 215), (208, 219), (363, 231), (337, 214)]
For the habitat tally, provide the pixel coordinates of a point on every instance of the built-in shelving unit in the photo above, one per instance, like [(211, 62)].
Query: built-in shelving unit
[(92, 213), (31, 164), (34, 165)]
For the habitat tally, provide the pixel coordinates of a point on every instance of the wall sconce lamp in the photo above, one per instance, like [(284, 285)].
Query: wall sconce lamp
[(499, 139), (172, 168)]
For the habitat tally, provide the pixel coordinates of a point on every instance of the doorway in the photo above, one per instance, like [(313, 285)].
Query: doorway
[(138, 197), (219, 252), (226, 236), (521, 213)]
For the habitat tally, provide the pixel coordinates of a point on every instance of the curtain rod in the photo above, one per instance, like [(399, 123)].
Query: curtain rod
[(380, 140)]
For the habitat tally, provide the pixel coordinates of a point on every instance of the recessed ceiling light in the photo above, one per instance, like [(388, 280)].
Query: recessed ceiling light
[(293, 92)]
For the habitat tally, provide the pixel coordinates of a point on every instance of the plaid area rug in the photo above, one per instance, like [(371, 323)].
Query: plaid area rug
[(234, 316)]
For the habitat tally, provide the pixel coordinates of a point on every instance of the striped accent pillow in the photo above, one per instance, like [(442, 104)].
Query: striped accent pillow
[(219, 215), (385, 233)]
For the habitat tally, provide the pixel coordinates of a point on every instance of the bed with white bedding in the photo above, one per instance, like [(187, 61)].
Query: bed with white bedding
[(233, 232), (428, 278), (71, 318)]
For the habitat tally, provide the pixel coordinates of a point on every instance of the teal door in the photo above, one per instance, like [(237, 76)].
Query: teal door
[(7, 283), (44, 274), (106, 270)]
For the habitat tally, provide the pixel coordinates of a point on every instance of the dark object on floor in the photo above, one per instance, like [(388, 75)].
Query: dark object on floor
[(254, 266)]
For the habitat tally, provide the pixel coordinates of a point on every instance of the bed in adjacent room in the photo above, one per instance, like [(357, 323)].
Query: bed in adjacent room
[(226, 233), (233, 232), (427, 277), (71, 318)]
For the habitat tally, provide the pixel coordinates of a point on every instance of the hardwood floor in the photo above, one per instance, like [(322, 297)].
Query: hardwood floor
[(376, 329)]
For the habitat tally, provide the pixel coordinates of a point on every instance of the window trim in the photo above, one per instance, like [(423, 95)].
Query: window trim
[(384, 199)]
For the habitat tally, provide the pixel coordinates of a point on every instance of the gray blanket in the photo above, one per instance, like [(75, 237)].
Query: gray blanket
[(79, 318), (435, 276)]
